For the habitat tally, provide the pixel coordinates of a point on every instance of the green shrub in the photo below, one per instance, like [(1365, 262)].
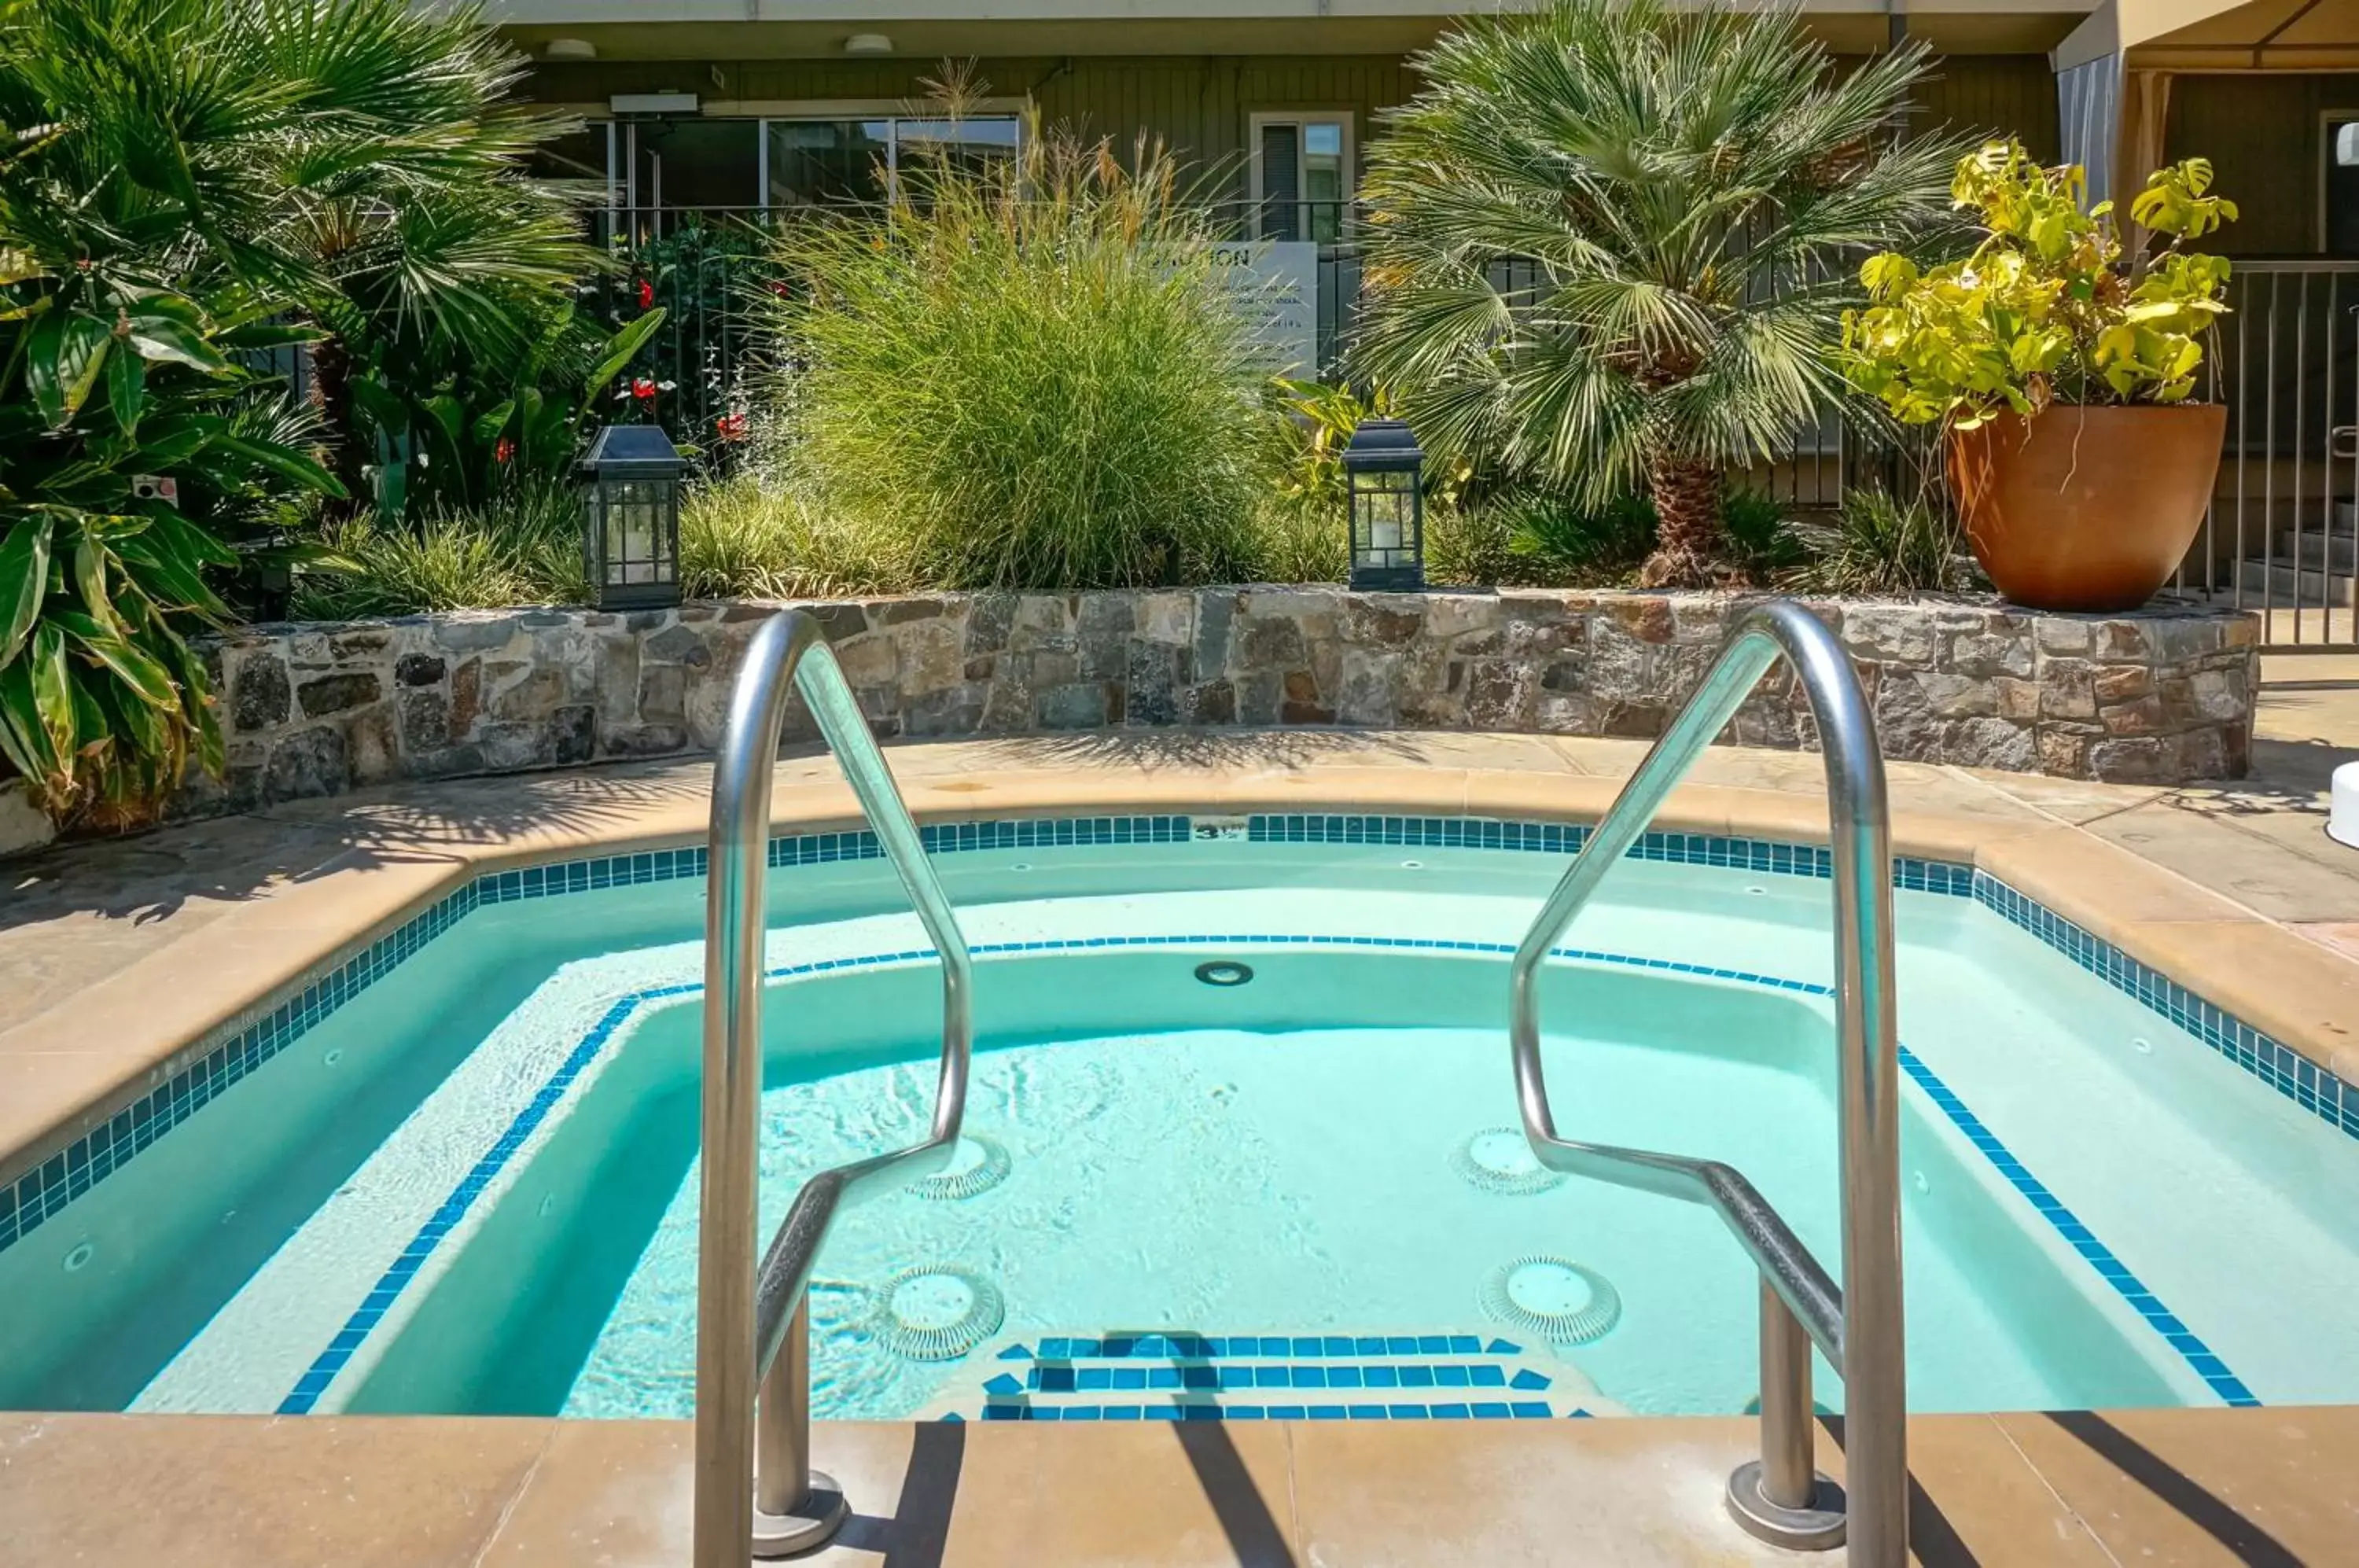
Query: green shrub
[(1029, 371), (1473, 547), (1295, 540), (523, 547), (1586, 545), (1762, 540), (742, 538), (1879, 544)]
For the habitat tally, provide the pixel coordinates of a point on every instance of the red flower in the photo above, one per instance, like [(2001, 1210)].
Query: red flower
[(779, 287), (644, 390), (647, 294), (730, 426), (503, 451)]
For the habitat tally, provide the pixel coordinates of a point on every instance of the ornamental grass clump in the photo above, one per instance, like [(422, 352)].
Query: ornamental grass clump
[(1027, 371)]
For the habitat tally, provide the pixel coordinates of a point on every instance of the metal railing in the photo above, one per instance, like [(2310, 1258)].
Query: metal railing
[(2281, 535), (1781, 1497), (753, 1327)]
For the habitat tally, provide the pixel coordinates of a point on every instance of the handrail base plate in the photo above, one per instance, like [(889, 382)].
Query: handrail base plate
[(821, 1514), (1817, 1527)]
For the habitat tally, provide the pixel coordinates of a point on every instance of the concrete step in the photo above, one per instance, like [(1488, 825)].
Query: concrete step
[(2338, 552), (2283, 585)]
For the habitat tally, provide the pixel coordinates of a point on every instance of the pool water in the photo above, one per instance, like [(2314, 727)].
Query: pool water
[(474, 1186)]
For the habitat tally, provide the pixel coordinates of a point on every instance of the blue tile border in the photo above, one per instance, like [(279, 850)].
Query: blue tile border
[(1211, 1409), (39, 1194), (2067, 1224), (2314, 1088), (1198, 1377), (315, 1381)]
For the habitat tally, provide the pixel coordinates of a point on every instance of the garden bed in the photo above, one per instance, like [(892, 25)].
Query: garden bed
[(2161, 696)]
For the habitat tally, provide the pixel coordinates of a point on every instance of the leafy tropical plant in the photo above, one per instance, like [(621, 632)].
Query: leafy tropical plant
[(496, 424), (355, 164), (1027, 370), (124, 428), (1607, 245), (2044, 309)]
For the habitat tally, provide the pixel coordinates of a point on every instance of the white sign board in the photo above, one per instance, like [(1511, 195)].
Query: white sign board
[(1277, 282)]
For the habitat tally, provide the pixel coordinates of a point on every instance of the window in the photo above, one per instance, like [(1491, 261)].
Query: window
[(823, 162), (1301, 175), (692, 163), (740, 165)]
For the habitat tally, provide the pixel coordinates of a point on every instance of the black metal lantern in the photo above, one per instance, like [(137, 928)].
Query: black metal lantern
[(630, 529), (1386, 473)]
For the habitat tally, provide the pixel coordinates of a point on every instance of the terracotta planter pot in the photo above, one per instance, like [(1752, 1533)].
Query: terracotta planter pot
[(2086, 508)]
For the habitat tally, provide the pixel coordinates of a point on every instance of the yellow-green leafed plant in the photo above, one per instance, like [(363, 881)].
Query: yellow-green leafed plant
[(2045, 309)]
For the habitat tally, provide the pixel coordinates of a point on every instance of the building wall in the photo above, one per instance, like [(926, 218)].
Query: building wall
[(2262, 134), (1999, 94), (1198, 105)]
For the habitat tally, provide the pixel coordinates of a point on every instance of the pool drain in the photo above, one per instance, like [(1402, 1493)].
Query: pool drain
[(977, 1165), (1225, 972), (936, 1314), (1551, 1299), (1500, 1159)]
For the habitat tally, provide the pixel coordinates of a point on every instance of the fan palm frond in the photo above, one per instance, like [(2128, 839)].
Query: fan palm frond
[(1609, 243)]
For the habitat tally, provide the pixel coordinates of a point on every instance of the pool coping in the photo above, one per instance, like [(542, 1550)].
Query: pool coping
[(147, 1026), (2172, 1485)]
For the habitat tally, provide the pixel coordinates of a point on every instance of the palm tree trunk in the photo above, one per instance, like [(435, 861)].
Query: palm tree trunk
[(1687, 506), (332, 393)]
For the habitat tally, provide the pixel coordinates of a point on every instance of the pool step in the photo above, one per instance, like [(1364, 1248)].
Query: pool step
[(1194, 1376)]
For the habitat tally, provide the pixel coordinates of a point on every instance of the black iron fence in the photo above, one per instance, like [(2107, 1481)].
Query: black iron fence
[(2281, 536)]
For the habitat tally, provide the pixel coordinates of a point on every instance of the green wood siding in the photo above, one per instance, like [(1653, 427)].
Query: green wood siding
[(1198, 106), (2262, 134), (1996, 93)]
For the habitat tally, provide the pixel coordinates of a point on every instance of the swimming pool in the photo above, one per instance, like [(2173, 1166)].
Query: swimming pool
[(460, 1175)]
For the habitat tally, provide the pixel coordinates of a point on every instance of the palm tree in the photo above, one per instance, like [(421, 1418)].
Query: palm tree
[(355, 164), (1608, 245)]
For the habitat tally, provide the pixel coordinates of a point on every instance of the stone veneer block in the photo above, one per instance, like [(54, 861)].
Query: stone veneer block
[(2161, 696)]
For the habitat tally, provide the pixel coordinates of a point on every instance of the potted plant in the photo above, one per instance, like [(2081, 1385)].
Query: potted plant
[(2060, 375)]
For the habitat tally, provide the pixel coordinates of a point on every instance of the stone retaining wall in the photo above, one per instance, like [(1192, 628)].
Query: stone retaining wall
[(2164, 695)]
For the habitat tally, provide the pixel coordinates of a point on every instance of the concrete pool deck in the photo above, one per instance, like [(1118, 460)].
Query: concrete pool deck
[(116, 955), (2165, 1488)]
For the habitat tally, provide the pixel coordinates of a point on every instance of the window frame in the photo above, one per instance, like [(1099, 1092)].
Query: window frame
[(1346, 117), (763, 113), (2320, 235)]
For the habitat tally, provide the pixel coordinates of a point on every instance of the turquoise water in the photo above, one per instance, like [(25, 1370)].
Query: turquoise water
[(1283, 1158)]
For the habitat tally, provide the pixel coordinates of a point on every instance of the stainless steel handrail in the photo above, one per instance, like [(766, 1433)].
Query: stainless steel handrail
[(754, 1328), (1781, 1497)]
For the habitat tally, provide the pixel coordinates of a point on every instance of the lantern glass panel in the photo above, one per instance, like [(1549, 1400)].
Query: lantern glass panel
[(1384, 518)]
